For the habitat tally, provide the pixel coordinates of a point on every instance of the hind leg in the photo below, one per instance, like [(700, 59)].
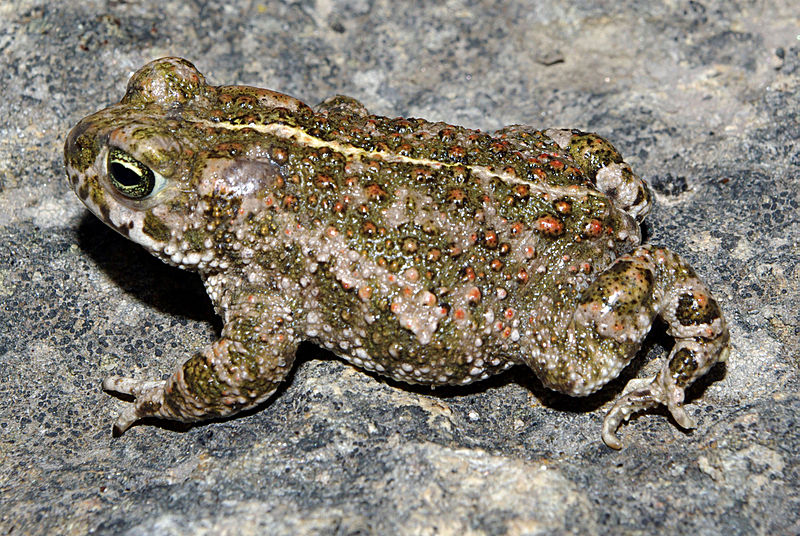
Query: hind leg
[(701, 340), (620, 306)]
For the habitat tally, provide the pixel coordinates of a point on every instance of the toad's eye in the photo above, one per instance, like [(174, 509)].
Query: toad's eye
[(130, 177)]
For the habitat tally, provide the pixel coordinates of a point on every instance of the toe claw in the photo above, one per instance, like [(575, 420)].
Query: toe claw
[(126, 418), (637, 400), (610, 439), (148, 397), (110, 383), (678, 413)]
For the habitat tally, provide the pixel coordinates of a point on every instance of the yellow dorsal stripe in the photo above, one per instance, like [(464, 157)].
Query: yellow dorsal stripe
[(304, 138)]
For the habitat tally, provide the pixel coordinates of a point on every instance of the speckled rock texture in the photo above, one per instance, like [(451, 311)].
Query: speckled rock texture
[(702, 98)]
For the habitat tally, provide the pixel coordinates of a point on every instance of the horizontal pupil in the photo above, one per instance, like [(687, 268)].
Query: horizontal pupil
[(125, 176)]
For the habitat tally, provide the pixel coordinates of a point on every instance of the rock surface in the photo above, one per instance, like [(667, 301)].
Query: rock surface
[(702, 98)]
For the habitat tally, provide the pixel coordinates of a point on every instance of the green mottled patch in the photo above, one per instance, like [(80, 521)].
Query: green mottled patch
[(155, 228), (690, 311), (195, 238), (623, 287), (86, 153), (176, 80), (683, 366), (592, 152)]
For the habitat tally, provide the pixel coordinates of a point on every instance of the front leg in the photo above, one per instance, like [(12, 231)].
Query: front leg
[(238, 371)]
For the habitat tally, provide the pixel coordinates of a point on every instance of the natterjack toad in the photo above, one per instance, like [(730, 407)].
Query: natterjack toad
[(426, 252)]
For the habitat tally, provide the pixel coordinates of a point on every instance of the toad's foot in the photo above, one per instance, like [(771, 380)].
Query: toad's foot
[(662, 390), (149, 395), (667, 389)]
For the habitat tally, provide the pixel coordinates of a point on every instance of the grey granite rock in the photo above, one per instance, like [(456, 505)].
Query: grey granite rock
[(703, 98)]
